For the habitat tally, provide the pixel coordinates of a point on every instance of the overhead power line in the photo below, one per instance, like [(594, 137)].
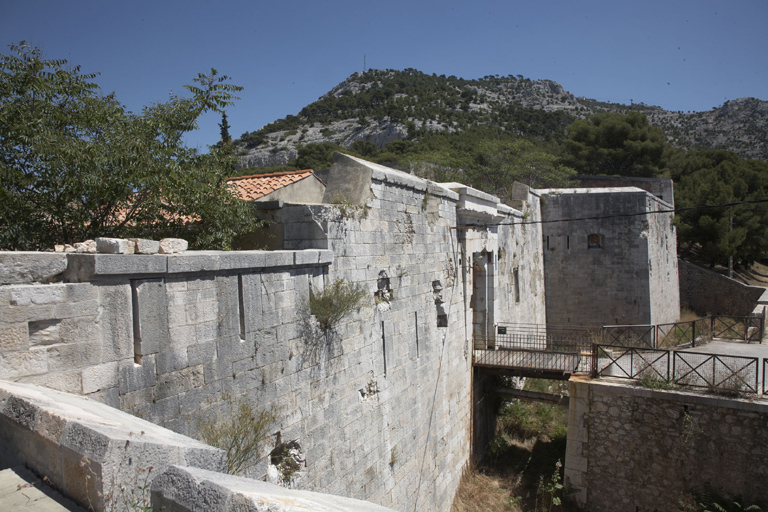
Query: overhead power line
[(617, 215)]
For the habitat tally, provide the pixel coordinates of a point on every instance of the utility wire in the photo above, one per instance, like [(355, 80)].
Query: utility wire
[(597, 217)]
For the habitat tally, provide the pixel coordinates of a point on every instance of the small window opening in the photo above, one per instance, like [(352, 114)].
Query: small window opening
[(516, 275), (136, 323), (241, 305), (416, 326), (568, 243), (595, 241), (384, 347)]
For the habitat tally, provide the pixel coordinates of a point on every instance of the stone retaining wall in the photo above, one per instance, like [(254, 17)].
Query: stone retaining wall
[(633, 449), (709, 293)]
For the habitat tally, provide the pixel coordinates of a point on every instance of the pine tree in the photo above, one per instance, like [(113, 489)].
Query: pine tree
[(224, 127)]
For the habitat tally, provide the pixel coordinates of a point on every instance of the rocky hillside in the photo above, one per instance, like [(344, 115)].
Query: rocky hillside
[(384, 106)]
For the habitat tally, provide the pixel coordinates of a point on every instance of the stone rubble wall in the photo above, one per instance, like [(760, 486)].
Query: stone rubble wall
[(631, 448), (731, 297)]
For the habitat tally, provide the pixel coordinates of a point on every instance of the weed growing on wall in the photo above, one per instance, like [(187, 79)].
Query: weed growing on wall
[(711, 500), (336, 301), (649, 377), (239, 432)]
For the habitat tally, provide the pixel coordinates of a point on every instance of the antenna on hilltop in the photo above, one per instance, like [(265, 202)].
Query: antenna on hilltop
[(363, 63)]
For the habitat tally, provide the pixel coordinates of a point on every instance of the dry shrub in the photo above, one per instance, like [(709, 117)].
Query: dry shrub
[(478, 492), (336, 301), (239, 432)]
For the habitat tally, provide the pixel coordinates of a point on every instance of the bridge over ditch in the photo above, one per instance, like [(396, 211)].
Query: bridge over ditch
[(626, 351)]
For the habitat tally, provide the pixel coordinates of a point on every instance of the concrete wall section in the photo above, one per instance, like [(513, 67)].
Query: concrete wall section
[(631, 448), (607, 259), (709, 293)]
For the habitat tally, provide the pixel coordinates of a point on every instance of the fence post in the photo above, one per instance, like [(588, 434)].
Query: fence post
[(594, 360), (693, 339)]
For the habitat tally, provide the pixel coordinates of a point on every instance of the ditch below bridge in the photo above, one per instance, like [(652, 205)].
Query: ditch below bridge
[(655, 412)]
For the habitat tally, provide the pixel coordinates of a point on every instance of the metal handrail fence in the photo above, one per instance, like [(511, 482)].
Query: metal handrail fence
[(676, 334), (630, 335), (736, 374), (765, 364), (696, 332), (631, 362)]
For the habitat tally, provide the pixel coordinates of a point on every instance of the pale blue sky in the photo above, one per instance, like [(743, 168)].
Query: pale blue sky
[(678, 54)]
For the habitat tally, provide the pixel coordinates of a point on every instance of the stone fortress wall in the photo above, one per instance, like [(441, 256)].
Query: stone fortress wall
[(616, 264), (381, 408)]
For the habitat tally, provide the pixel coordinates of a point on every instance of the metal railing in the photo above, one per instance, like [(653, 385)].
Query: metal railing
[(719, 373), (632, 351), (694, 332), (765, 364), (630, 335)]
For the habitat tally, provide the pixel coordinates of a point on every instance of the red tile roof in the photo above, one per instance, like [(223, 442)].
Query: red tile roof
[(259, 185)]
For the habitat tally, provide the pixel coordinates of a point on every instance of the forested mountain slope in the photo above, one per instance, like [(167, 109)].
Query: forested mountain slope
[(381, 106)]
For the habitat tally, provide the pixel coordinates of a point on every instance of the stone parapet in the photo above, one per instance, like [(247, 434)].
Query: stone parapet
[(183, 489), (87, 449), (86, 267)]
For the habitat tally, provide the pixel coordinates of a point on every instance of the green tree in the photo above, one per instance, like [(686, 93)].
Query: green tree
[(317, 156), (503, 162), (226, 138), (712, 177), (616, 145), (74, 164)]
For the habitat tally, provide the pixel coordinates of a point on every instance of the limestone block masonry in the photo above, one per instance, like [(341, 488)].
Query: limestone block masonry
[(380, 406), (105, 459), (732, 297), (634, 449), (609, 257)]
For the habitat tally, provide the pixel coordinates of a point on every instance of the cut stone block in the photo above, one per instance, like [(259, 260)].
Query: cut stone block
[(144, 246), (30, 267), (173, 245), (114, 246)]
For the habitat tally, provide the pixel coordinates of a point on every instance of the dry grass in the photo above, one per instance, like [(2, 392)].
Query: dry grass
[(518, 466), (686, 315), (479, 492)]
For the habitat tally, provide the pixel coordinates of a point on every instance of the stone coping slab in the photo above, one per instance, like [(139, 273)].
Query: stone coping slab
[(84, 267), (88, 449), (193, 489), (618, 387), (24, 267)]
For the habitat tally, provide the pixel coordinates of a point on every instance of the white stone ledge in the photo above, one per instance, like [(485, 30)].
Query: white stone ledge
[(183, 489), (84, 267), (606, 386), (30, 267), (64, 437)]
